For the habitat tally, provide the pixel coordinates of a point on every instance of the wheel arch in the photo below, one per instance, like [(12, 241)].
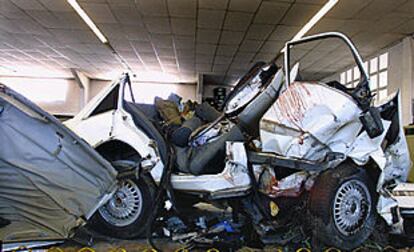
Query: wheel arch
[(115, 149), (373, 171), (371, 167)]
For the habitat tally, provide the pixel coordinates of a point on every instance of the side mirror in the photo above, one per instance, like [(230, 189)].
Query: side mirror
[(371, 122)]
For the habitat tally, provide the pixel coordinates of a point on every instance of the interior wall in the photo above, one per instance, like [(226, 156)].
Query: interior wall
[(55, 95), (208, 90), (145, 92), (63, 96), (187, 91), (96, 86), (400, 75)]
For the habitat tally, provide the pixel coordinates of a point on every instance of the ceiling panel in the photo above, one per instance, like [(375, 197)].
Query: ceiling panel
[(127, 15), (284, 32), (182, 8), (407, 7), (204, 58), (157, 25), (207, 36), (29, 5), (152, 7), (206, 48), (259, 31), (99, 13), (226, 50), (406, 28), (250, 45), (166, 52), (237, 21), (299, 14), (210, 19), (183, 42), (244, 5), (183, 26), (213, 4), (54, 5), (272, 47), (378, 8), (271, 12), (231, 37), (347, 9), (219, 37), (162, 41)]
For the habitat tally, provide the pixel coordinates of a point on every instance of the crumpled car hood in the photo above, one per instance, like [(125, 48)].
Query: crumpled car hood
[(51, 181)]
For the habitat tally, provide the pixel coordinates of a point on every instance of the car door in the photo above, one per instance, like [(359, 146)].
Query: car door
[(97, 125)]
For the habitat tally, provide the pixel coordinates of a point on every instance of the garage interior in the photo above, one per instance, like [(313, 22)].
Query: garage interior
[(187, 43), (194, 48)]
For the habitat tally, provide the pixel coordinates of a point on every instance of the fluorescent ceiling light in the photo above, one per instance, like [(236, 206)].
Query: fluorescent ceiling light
[(322, 12), (75, 5)]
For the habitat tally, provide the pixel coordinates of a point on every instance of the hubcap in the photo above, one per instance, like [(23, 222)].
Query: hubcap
[(352, 206), (125, 206)]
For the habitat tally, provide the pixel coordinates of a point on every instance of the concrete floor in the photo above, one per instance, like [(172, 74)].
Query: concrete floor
[(166, 245)]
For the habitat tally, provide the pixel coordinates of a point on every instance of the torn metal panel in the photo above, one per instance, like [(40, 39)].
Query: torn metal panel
[(51, 181), (295, 129), (274, 160), (234, 178), (290, 186), (365, 147), (301, 108)]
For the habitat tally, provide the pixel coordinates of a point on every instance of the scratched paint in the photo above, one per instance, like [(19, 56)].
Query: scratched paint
[(294, 102), (315, 113), (300, 100)]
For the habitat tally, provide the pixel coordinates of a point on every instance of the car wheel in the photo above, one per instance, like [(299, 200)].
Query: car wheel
[(342, 205), (127, 214)]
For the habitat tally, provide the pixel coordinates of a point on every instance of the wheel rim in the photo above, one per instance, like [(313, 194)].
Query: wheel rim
[(125, 206), (352, 207)]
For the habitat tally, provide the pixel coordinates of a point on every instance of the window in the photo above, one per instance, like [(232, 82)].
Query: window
[(377, 68), (110, 102)]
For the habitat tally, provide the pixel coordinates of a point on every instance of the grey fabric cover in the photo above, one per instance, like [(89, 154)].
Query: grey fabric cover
[(208, 158), (181, 135), (207, 112), (50, 179)]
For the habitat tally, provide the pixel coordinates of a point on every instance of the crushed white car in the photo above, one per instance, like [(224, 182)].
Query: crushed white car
[(341, 159)]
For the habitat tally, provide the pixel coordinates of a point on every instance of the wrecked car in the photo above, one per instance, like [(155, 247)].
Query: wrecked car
[(283, 153), (51, 181)]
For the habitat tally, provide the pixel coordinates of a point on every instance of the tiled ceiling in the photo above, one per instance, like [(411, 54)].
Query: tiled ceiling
[(182, 38)]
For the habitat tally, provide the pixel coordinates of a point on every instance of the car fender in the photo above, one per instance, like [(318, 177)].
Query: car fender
[(124, 130)]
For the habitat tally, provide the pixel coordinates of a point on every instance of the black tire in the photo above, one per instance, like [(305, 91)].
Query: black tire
[(329, 223), (137, 226)]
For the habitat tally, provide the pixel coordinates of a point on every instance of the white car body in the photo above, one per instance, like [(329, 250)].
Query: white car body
[(295, 131), (118, 125)]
